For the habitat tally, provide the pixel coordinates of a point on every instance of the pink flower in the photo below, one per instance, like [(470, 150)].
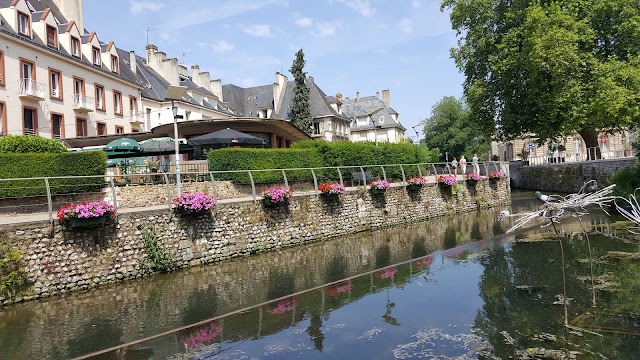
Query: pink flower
[(379, 184), (194, 202), (277, 194)]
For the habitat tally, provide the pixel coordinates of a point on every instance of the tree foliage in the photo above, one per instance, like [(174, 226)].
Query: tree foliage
[(550, 68), (300, 107), (448, 129)]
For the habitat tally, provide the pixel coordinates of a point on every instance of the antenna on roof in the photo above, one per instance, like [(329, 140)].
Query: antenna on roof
[(148, 30), (184, 56)]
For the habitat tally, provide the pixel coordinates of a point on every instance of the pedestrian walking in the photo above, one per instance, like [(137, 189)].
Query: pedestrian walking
[(454, 165), (463, 165), (476, 166)]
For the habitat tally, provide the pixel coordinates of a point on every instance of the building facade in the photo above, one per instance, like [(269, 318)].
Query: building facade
[(373, 119)]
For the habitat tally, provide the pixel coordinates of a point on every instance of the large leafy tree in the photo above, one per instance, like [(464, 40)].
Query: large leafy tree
[(448, 129), (549, 68), (300, 107)]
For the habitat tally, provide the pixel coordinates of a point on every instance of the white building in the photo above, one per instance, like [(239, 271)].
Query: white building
[(373, 119)]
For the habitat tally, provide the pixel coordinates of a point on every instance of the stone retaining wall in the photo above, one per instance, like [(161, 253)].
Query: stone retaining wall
[(566, 177), (59, 260)]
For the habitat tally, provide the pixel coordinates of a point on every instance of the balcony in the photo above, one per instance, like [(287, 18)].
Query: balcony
[(81, 102), (137, 118), (30, 89)]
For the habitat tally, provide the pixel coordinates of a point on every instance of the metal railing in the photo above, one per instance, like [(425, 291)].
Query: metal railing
[(590, 155), (84, 102), (32, 88), (41, 197), (138, 118)]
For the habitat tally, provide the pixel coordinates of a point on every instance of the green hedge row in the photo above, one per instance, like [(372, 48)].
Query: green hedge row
[(314, 154), (259, 159), (51, 165)]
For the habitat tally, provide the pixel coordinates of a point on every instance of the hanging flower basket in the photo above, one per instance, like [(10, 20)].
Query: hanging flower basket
[(415, 183), (276, 196), (193, 203), (496, 176), (473, 179), (90, 214), (378, 187), (330, 192)]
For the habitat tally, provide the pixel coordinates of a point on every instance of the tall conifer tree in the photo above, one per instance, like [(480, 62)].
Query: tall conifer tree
[(300, 105)]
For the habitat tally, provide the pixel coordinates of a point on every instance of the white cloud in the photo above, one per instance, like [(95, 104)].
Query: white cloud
[(406, 25), (416, 3), (304, 21), (258, 30), (325, 29), (140, 6), (221, 46), (361, 6)]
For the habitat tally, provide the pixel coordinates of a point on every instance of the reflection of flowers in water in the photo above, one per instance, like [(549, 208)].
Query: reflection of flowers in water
[(339, 288), (422, 263), (283, 306), (454, 253), (202, 335), (388, 272)]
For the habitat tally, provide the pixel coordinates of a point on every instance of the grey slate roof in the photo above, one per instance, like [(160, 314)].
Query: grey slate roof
[(41, 5), (369, 105)]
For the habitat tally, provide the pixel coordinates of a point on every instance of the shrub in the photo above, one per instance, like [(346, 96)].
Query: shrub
[(627, 180), (12, 276), (157, 257), (261, 159), (51, 165), (30, 144)]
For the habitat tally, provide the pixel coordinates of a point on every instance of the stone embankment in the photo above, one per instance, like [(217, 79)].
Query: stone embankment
[(58, 260)]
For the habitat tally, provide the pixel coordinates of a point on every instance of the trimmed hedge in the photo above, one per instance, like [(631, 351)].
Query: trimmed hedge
[(51, 165), (258, 159), (30, 144)]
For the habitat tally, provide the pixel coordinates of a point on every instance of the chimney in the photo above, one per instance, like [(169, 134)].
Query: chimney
[(357, 95), (151, 52), (132, 61), (195, 72), (167, 68), (216, 88), (279, 87), (72, 10), (385, 98), (310, 80), (377, 95), (339, 97), (182, 70)]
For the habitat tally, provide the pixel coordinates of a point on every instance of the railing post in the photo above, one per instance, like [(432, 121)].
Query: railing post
[(404, 178), (286, 182), (166, 184), (419, 170), (486, 171), (113, 192), (435, 172), (253, 187), (315, 180), (384, 173), (340, 175), (364, 177), (49, 202), (213, 185)]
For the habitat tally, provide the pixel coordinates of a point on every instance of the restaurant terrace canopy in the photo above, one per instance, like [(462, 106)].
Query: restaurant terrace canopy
[(225, 138)]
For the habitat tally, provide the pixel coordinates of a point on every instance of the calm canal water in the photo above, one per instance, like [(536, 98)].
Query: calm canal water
[(447, 288)]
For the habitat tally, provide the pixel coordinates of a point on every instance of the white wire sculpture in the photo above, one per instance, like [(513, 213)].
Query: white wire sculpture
[(630, 210), (557, 207)]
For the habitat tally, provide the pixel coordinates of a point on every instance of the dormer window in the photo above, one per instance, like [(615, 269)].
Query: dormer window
[(75, 47), (52, 37), (24, 24), (114, 64), (96, 56)]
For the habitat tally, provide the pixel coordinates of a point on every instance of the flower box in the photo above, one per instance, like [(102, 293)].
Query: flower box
[(329, 197), (473, 179), (495, 176), (193, 203), (86, 222), (330, 191), (415, 183), (378, 187), (90, 214), (276, 196)]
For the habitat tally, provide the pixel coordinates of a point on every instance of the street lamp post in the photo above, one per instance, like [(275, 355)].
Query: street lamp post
[(375, 130), (417, 134), (175, 93)]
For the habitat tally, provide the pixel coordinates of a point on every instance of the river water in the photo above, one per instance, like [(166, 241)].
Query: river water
[(448, 288)]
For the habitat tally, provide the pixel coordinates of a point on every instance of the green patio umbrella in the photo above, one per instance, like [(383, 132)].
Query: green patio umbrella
[(114, 162), (123, 146)]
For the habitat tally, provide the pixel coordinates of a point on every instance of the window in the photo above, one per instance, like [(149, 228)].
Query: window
[(24, 24), (29, 121), (96, 56), (133, 105), (119, 129), (114, 64), (135, 130), (27, 70), (55, 84), (81, 127), (100, 97), (75, 47), (78, 86), (117, 102), (3, 119), (1, 68), (102, 128), (316, 128), (57, 125), (52, 37)]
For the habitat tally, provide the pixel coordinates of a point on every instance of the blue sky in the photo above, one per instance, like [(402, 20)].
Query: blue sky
[(349, 45)]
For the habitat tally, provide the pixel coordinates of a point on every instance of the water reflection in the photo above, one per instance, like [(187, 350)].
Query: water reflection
[(413, 303)]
